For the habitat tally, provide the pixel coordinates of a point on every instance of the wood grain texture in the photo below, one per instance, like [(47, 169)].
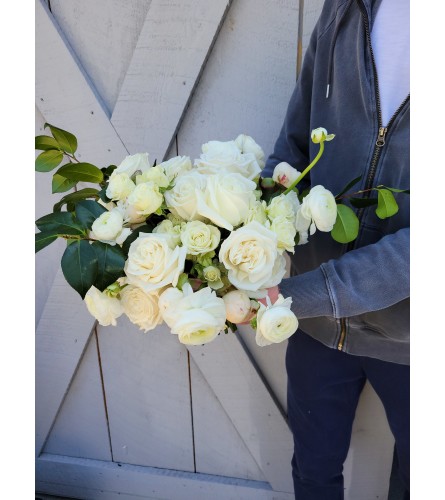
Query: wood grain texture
[(219, 449), (92, 479), (103, 35), (167, 62), (249, 405), (80, 429), (148, 396), (66, 97)]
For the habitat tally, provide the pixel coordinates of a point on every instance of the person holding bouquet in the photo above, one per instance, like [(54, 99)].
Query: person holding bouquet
[(352, 300)]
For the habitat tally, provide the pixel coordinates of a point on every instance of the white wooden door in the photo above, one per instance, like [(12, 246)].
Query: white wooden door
[(119, 413)]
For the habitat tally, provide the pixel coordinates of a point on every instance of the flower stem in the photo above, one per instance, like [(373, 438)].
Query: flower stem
[(306, 170)]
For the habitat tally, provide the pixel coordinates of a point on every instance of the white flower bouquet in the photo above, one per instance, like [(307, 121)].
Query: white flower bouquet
[(194, 245)]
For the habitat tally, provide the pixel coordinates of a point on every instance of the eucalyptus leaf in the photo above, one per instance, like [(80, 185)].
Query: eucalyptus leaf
[(349, 186), (81, 172), (60, 223), (362, 202), (87, 211), (80, 266), (346, 225), (48, 160), (61, 184), (66, 140), (44, 239), (111, 261), (75, 197), (45, 142), (387, 205)]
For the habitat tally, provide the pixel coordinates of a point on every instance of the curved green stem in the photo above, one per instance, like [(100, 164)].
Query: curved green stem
[(306, 170)]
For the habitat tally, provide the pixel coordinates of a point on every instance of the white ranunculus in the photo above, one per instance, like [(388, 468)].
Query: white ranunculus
[(182, 199), (155, 175), (227, 199), (104, 308), (199, 316), (285, 174), (141, 308), (200, 238), (167, 227), (275, 322), (153, 262), (176, 166), (251, 256), (119, 187), (320, 134), (238, 307), (220, 156), (257, 211), (168, 301), (145, 198), (134, 163), (246, 144), (318, 206), (286, 232), (283, 206), (108, 228)]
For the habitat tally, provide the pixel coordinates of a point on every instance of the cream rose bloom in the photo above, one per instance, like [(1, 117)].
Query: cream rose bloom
[(251, 256), (145, 198), (318, 210), (199, 237), (213, 277), (153, 262), (155, 175), (104, 308), (238, 306), (247, 145), (182, 199), (134, 163), (257, 212), (227, 199), (275, 322), (141, 308), (284, 205), (108, 228), (286, 232), (173, 230), (196, 318), (120, 186), (176, 166), (285, 174)]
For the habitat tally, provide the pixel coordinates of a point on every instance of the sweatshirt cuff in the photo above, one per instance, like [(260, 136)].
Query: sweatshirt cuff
[(309, 293)]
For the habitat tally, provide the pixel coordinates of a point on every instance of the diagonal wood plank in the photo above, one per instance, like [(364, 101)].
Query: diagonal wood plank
[(169, 58), (229, 371)]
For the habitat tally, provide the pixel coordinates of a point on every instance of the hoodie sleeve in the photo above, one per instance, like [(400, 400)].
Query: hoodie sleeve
[(333, 289)]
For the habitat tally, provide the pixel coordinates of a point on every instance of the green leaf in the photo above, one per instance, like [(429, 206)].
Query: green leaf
[(349, 186), (387, 205), (48, 160), (44, 239), (66, 140), (111, 261), (87, 211), (103, 194), (108, 170), (60, 184), (84, 172), (82, 194), (80, 266), (394, 190), (59, 223), (362, 202), (45, 142), (346, 225)]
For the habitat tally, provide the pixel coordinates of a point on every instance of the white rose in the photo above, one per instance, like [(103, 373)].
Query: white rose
[(182, 199), (145, 198), (318, 206), (320, 134), (220, 156), (276, 322), (200, 316), (129, 213), (227, 199), (155, 175), (246, 144), (174, 231), (119, 187), (176, 166), (250, 254), (199, 237), (108, 228), (141, 308), (238, 307), (285, 174), (286, 232), (168, 301), (213, 277), (104, 308), (257, 211), (283, 206), (134, 163), (153, 262)]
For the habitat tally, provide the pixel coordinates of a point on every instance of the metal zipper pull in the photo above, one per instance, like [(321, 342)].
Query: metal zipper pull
[(342, 334), (381, 137)]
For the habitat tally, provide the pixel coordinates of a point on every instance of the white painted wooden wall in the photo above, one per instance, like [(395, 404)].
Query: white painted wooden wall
[(122, 414)]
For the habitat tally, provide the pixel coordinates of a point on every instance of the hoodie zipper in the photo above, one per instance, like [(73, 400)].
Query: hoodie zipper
[(380, 142)]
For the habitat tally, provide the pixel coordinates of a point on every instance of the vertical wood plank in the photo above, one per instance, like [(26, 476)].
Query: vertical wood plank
[(147, 389), (171, 51)]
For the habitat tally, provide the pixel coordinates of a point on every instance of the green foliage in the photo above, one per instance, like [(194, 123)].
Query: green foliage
[(111, 261), (81, 172), (74, 198), (80, 266), (59, 223), (387, 205), (60, 184), (43, 239), (362, 202), (346, 225), (87, 211), (349, 186), (66, 140), (48, 160), (45, 142)]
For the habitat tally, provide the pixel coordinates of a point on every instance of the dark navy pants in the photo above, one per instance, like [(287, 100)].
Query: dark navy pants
[(324, 386)]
